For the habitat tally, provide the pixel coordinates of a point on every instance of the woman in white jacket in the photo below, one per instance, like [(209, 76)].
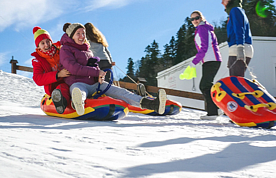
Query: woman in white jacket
[(98, 45)]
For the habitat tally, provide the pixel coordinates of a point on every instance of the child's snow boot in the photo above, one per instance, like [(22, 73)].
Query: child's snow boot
[(59, 101), (77, 101), (158, 104)]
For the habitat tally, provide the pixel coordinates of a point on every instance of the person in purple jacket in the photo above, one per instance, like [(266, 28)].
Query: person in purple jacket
[(76, 57), (208, 54)]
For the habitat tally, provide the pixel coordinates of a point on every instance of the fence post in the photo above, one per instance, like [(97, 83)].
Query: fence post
[(13, 65)]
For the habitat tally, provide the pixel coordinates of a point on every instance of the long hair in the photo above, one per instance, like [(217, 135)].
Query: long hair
[(200, 15), (94, 35)]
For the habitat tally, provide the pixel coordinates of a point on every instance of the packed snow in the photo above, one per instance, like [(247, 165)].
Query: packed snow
[(35, 145)]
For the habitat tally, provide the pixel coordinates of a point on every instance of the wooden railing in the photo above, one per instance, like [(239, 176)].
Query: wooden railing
[(15, 67)]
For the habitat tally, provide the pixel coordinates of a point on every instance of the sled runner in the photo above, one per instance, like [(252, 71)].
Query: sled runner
[(245, 102)]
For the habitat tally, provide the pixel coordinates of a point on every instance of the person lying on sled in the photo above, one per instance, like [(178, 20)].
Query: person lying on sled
[(76, 57), (47, 71)]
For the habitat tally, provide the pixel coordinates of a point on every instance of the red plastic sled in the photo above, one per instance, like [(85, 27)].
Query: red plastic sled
[(245, 102), (101, 109)]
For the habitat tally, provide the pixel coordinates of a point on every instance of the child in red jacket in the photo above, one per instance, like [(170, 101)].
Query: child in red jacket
[(46, 69)]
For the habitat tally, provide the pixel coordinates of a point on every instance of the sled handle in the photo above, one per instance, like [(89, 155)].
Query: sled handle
[(100, 92)]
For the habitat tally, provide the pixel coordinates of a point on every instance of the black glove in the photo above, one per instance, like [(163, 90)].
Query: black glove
[(93, 61)]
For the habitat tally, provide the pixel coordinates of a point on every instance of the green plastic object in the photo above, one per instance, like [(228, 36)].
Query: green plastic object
[(189, 73)]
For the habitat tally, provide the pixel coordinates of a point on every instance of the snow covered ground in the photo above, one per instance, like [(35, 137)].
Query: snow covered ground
[(35, 145)]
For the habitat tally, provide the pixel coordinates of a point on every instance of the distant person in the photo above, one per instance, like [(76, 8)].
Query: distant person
[(98, 45), (207, 53), (47, 71), (85, 79), (239, 38)]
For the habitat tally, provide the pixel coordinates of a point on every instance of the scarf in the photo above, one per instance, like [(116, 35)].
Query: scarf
[(52, 56), (83, 47)]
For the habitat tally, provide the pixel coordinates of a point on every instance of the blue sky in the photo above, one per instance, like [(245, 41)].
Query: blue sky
[(128, 25)]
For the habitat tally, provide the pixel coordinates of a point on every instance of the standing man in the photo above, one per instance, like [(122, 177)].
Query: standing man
[(239, 38)]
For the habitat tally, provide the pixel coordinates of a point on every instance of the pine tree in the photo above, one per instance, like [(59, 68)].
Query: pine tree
[(130, 68), (221, 31), (185, 47), (169, 54), (130, 71)]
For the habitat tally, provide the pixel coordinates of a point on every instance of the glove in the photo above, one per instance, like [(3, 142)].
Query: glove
[(93, 61), (191, 64), (240, 53)]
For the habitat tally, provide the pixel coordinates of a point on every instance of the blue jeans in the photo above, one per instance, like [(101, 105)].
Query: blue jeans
[(113, 91)]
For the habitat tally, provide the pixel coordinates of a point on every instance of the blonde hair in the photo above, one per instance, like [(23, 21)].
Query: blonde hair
[(94, 35), (200, 15)]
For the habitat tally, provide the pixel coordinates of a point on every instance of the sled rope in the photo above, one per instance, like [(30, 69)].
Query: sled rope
[(249, 70), (130, 78)]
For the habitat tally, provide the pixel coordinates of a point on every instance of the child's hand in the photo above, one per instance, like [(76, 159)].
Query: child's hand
[(64, 73)]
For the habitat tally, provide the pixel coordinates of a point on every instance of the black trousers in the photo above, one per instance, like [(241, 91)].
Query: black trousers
[(237, 67), (104, 64), (209, 71)]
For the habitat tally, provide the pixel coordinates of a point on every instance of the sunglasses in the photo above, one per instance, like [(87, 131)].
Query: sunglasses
[(195, 18)]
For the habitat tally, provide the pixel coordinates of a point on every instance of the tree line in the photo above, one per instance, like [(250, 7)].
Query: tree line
[(262, 19)]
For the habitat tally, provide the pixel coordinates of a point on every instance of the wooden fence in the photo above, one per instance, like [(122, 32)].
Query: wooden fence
[(15, 67)]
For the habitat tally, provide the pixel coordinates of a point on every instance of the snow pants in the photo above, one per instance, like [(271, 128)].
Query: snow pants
[(237, 67), (113, 91), (209, 71)]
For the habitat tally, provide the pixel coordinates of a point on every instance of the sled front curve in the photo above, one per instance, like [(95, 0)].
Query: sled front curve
[(101, 109)]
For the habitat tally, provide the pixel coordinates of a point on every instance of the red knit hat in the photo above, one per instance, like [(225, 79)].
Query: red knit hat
[(40, 34)]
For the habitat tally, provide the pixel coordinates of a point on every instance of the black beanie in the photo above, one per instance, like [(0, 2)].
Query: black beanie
[(233, 3)]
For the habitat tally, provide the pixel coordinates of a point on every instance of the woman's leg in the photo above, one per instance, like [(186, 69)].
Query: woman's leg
[(209, 71), (79, 92), (157, 104), (237, 67), (120, 93)]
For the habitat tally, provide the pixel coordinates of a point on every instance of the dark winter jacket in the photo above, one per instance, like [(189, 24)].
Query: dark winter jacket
[(75, 58)]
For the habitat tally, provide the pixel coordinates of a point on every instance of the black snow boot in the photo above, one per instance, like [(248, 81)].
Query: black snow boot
[(59, 101), (211, 107), (158, 104)]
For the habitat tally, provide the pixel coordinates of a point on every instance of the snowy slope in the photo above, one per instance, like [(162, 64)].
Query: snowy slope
[(35, 145)]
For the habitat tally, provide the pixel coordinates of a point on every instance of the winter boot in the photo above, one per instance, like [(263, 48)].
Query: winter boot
[(77, 101), (59, 101), (158, 104), (211, 107)]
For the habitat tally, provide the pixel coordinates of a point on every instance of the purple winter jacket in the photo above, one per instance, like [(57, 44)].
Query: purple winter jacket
[(206, 44), (74, 58)]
